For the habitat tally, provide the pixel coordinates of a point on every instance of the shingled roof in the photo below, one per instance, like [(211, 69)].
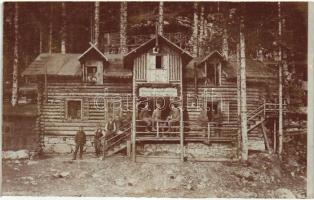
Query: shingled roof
[(57, 64), (254, 69), (69, 65)]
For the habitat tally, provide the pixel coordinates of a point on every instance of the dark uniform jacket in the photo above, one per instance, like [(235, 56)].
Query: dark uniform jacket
[(80, 137), (144, 114), (98, 135)]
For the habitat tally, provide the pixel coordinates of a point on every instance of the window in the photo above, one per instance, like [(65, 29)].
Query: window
[(74, 109), (212, 109), (91, 73), (213, 74), (158, 62)]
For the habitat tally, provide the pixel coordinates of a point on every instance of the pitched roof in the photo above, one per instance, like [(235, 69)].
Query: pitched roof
[(202, 59), (254, 70), (116, 69), (56, 63), (93, 47), (151, 43)]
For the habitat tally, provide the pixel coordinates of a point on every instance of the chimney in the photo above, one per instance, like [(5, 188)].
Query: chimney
[(225, 48)]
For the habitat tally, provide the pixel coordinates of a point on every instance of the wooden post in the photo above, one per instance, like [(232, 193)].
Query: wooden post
[(243, 105), (208, 132), (238, 81), (181, 115), (280, 120), (265, 138), (157, 126), (275, 136), (134, 120)]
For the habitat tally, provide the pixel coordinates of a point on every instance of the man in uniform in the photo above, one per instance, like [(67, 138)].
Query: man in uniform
[(156, 116), (97, 140), (145, 116), (203, 118), (80, 140), (174, 117)]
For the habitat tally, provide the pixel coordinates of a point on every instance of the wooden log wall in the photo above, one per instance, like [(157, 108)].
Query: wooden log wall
[(54, 116)]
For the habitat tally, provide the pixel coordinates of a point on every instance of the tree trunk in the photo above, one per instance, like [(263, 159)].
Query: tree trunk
[(280, 125), (15, 57), (123, 27), (194, 38), (225, 48), (161, 18), (243, 106), (50, 29), (40, 38), (202, 33), (63, 29), (96, 28)]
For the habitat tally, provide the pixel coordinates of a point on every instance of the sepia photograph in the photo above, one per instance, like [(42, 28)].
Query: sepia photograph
[(190, 99)]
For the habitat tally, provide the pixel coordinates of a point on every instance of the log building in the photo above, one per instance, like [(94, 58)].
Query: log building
[(85, 89)]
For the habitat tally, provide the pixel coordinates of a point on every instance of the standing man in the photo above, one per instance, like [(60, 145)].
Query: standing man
[(156, 116), (97, 140), (203, 118), (174, 117), (80, 140), (145, 116)]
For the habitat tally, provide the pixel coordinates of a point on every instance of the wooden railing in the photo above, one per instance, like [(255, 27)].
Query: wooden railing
[(113, 140)]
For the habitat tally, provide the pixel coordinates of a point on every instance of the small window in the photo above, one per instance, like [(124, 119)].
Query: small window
[(158, 62), (74, 109), (91, 74)]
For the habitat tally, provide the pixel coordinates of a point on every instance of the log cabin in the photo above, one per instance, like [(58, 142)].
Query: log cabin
[(85, 89)]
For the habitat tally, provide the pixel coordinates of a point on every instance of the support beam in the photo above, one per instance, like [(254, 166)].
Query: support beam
[(181, 116), (243, 105), (133, 136), (280, 120), (265, 137)]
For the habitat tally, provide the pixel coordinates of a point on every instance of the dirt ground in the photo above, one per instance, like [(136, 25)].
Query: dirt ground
[(57, 175)]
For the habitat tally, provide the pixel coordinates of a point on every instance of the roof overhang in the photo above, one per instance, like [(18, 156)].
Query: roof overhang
[(92, 47)]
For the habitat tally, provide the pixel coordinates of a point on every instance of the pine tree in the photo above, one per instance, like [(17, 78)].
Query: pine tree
[(123, 27), (96, 28), (194, 38), (63, 29), (15, 56), (161, 18)]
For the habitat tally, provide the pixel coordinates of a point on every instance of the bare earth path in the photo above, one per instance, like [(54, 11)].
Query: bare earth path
[(57, 175)]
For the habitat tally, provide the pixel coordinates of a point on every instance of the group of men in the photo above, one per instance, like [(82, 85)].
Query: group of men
[(113, 126), (117, 125), (152, 120)]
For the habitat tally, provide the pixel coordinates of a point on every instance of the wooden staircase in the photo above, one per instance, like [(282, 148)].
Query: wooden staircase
[(257, 117), (116, 143)]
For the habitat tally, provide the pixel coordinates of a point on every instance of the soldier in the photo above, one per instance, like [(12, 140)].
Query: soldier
[(156, 116), (174, 117), (144, 115), (80, 140), (97, 140), (203, 118), (110, 127)]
